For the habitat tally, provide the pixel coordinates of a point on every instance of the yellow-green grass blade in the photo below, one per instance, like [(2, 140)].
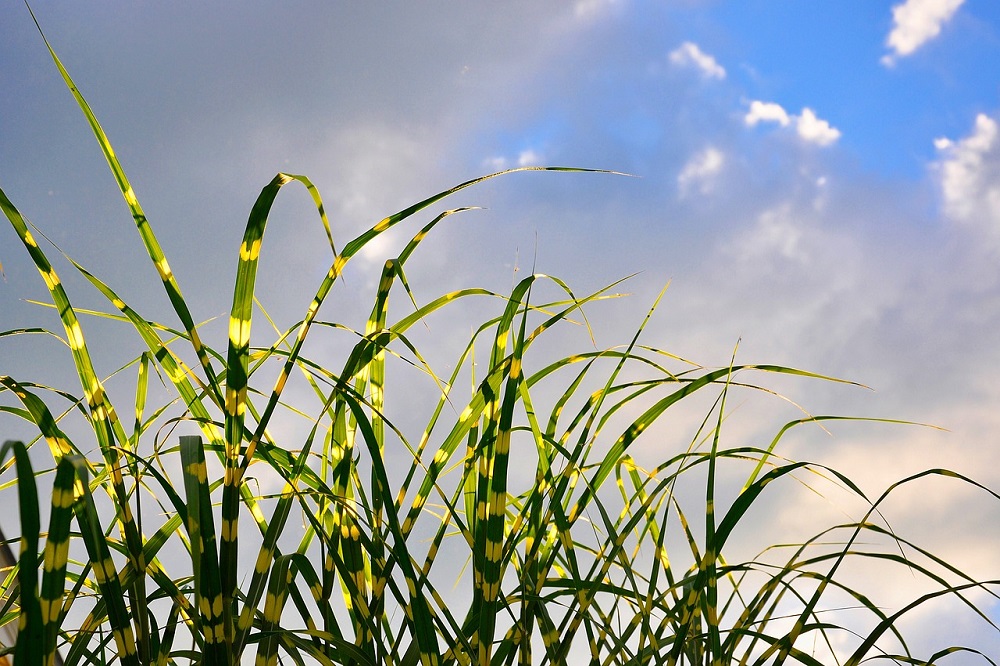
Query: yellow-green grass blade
[(344, 531), (312, 581), (369, 379), (163, 582), (103, 567), (471, 414), (610, 555), (693, 607), (352, 248), (755, 618), (280, 579), (951, 569), (526, 526), (419, 616), (550, 369), (56, 555), (214, 619), (268, 548), (344, 652), (493, 485), (237, 366), (31, 623), (355, 599), (237, 374), (597, 580), (641, 590), (40, 415), (654, 411), (762, 608), (102, 414), (708, 572), (105, 423), (149, 239), (818, 419), (601, 396), (272, 632), (402, 325), (355, 245), (141, 392), (861, 654), (175, 370), (9, 610), (372, 374), (734, 517), (785, 580), (191, 397), (32, 331), (166, 641), (412, 245), (821, 588), (156, 326), (938, 656)]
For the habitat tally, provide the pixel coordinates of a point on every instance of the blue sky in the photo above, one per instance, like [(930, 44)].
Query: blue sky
[(829, 56), (819, 180)]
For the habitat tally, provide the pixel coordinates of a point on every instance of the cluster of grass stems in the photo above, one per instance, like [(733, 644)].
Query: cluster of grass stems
[(340, 563)]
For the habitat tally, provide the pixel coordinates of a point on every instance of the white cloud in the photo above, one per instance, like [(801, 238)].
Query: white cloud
[(495, 163), (970, 174), (815, 130), (808, 126), (766, 112), (529, 158), (688, 54), (916, 22), (701, 171), (778, 233), (590, 9)]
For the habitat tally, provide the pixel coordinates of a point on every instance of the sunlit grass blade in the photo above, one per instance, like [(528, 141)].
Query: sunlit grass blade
[(277, 592), (268, 551), (118, 613), (104, 419), (142, 224), (64, 490), (420, 616), (105, 423)]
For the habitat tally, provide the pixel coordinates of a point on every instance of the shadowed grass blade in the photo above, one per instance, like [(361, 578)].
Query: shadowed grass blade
[(30, 648), (215, 619), (104, 568)]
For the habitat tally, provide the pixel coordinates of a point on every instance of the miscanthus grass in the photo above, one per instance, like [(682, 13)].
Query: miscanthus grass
[(378, 543)]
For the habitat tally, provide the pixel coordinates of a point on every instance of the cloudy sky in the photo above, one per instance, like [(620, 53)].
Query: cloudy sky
[(819, 181)]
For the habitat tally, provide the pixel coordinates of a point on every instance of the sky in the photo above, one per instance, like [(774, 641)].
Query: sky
[(818, 182)]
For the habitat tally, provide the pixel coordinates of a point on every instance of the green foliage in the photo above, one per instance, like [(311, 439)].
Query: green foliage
[(574, 565)]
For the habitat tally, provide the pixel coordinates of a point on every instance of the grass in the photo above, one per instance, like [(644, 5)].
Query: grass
[(202, 531)]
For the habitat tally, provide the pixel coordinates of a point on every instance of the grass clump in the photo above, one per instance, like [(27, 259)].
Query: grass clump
[(202, 532)]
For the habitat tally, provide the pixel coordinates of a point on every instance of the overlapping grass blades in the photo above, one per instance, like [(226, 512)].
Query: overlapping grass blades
[(564, 564)]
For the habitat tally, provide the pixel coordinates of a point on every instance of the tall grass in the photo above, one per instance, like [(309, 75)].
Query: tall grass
[(511, 524)]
